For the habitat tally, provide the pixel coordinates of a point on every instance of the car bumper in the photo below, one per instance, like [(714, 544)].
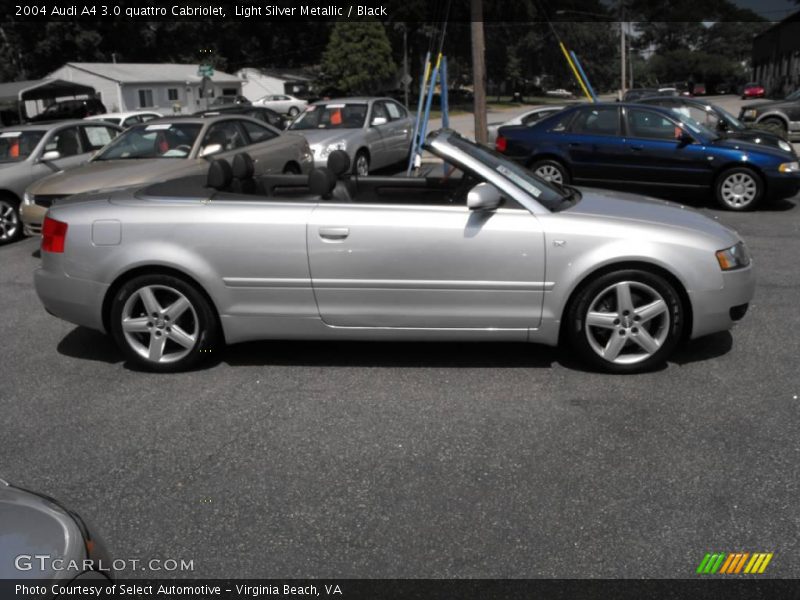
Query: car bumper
[(717, 310), (32, 217), (781, 185), (75, 300)]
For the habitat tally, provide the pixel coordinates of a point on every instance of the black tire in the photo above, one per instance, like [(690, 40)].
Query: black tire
[(361, 155), (198, 322), (10, 220), (739, 189), (291, 169), (636, 353), (293, 111), (550, 170)]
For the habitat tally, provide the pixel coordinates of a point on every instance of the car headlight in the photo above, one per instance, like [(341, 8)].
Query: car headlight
[(750, 113), (323, 153), (790, 167), (735, 257), (785, 146)]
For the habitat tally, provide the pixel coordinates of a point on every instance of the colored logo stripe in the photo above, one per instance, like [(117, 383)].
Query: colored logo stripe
[(732, 563)]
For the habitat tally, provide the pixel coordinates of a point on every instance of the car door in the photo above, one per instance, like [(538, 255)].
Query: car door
[(593, 144), (379, 136), (270, 150), (398, 132), (397, 265), (71, 147), (655, 155)]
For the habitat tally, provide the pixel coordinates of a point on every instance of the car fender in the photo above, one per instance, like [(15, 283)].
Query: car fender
[(773, 114)]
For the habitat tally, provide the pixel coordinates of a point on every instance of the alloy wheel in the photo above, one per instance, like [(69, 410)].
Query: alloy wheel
[(627, 322), (738, 190), (160, 324), (550, 173), (362, 165), (9, 221)]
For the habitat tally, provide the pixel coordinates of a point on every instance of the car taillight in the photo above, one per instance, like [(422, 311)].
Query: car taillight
[(54, 234), (501, 144)]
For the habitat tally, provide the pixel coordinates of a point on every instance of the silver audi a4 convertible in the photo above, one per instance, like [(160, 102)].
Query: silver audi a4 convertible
[(484, 251)]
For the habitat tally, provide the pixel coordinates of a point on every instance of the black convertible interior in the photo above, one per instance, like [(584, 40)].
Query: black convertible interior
[(334, 183)]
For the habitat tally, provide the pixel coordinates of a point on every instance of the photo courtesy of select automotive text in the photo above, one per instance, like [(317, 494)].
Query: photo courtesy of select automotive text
[(390, 300)]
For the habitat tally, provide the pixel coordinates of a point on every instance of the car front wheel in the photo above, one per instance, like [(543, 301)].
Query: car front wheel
[(739, 189), (162, 323), (626, 321)]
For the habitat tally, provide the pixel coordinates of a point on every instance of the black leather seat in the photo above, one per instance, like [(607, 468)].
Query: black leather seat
[(346, 186), (220, 175), (243, 170), (321, 182)]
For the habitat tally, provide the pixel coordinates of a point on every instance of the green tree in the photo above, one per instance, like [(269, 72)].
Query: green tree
[(358, 59)]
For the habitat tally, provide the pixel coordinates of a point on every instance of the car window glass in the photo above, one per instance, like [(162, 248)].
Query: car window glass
[(393, 110), (597, 121), (156, 140), (652, 125), (66, 142), (379, 111), (335, 115), (18, 145), (225, 133), (131, 121), (537, 116), (146, 118), (256, 133), (99, 135)]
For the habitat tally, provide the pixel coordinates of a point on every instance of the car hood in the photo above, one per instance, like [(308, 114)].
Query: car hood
[(320, 137), (107, 174), (623, 206), (756, 136), (745, 145)]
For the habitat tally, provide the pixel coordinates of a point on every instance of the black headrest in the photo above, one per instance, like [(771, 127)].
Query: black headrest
[(321, 182), (220, 174), (339, 162), (243, 166)]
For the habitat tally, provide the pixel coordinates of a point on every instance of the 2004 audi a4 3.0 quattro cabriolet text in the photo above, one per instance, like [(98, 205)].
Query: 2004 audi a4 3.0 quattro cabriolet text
[(490, 252)]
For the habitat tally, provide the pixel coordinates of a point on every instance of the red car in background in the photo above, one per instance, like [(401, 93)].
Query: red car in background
[(753, 90)]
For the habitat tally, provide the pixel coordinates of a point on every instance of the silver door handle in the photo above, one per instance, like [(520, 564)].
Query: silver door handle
[(334, 233)]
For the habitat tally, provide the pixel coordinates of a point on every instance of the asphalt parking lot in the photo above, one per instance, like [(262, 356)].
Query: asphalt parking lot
[(312, 459)]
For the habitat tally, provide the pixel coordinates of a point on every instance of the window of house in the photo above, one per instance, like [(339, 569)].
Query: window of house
[(172, 94), (146, 98)]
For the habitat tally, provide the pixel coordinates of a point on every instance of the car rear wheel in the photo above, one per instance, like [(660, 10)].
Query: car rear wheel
[(10, 223), (739, 189), (550, 170), (361, 164), (626, 321), (162, 323)]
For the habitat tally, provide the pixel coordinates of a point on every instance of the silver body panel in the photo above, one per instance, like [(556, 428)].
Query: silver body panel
[(313, 269)]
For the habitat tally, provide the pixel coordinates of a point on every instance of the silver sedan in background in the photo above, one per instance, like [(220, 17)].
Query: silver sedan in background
[(374, 132), (495, 254), (529, 117)]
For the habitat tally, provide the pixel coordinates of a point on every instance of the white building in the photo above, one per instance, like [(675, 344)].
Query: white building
[(261, 82), (164, 87)]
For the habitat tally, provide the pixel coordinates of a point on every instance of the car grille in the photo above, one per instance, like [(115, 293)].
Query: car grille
[(46, 201)]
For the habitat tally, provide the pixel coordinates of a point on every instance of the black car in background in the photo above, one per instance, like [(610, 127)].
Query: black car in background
[(70, 109), (781, 116), (718, 119), (636, 94), (261, 113)]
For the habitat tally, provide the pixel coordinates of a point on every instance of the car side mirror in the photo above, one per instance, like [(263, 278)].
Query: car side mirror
[(210, 149), (379, 121), (682, 137), (51, 155), (484, 196)]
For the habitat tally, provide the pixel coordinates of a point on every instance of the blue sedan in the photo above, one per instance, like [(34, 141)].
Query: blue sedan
[(626, 144)]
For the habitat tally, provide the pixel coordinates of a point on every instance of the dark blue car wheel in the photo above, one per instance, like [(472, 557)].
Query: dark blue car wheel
[(550, 170), (739, 189)]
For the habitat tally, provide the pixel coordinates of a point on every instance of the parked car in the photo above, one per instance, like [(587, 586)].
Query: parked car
[(169, 148), (226, 100), (30, 152), (780, 116), (44, 541), (638, 93), (718, 119), (559, 93), (375, 132), (753, 90), (283, 104), (70, 109), (699, 89), (640, 145), (267, 115), (126, 119), (529, 117), (495, 254)]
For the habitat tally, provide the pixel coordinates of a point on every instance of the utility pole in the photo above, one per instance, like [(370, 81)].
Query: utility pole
[(622, 46), (479, 71), (406, 79)]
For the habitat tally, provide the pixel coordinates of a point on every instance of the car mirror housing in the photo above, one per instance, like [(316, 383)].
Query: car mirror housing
[(379, 121), (51, 155), (682, 137), (210, 149), (484, 196)]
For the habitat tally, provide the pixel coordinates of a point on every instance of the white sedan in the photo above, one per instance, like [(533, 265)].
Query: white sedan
[(126, 119), (283, 104), (527, 118)]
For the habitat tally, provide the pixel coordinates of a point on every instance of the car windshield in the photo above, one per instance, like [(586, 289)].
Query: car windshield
[(18, 145), (795, 95), (732, 121), (694, 126), (335, 115), (543, 192), (155, 140)]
